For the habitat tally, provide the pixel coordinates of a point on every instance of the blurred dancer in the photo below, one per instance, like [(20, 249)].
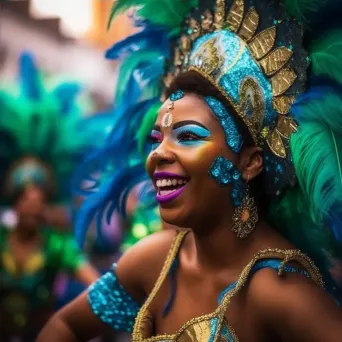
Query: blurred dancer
[(43, 136), (32, 255)]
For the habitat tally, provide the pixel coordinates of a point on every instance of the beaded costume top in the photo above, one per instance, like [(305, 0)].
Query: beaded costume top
[(214, 326), (114, 306)]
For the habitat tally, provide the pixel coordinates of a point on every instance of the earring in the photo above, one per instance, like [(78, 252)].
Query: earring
[(246, 215)]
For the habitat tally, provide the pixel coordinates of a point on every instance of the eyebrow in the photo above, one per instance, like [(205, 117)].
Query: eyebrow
[(156, 128), (188, 122)]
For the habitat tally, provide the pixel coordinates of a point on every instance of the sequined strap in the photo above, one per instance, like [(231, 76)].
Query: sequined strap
[(111, 303), (165, 271), (285, 256)]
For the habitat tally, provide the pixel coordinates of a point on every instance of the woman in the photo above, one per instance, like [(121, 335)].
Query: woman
[(32, 255), (221, 159)]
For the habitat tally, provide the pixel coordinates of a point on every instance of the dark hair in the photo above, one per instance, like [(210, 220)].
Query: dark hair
[(193, 82)]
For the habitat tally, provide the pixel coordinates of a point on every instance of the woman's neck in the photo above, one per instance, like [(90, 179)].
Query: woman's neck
[(219, 247), (25, 234)]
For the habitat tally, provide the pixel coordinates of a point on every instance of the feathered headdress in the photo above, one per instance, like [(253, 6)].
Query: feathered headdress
[(282, 75), (44, 134)]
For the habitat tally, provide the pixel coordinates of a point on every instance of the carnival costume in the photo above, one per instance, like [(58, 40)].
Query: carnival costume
[(283, 78), (43, 136)]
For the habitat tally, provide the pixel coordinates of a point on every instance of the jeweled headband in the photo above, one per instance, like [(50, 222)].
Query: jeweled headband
[(252, 71)]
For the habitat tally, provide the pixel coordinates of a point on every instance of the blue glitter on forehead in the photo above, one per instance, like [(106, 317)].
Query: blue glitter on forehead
[(233, 138), (177, 95)]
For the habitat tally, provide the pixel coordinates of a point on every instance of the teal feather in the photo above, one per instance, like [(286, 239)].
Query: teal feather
[(169, 13), (326, 55), (301, 9), (50, 127), (305, 212), (130, 67), (318, 169)]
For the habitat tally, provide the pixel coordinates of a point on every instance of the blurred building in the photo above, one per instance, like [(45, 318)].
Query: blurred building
[(68, 37)]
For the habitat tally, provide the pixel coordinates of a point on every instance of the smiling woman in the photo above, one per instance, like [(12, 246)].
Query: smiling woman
[(245, 164)]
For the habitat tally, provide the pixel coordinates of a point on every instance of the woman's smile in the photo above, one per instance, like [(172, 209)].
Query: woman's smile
[(169, 186)]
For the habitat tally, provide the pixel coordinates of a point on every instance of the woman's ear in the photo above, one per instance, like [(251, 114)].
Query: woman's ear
[(251, 162)]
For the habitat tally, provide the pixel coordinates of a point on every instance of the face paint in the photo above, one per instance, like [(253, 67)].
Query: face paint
[(155, 138), (190, 134)]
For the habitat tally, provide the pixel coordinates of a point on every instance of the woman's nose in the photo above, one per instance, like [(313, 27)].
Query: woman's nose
[(162, 155)]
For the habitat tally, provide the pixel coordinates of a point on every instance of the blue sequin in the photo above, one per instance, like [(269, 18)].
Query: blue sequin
[(238, 63), (233, 137), (221, 171), (224, 172), (261, 264), (112, 304), (177, 95)]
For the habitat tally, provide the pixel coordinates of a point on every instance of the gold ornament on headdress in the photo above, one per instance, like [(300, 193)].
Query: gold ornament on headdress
[(272, 61)]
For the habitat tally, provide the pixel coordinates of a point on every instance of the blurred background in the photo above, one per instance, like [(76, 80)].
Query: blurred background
[(51, 51)]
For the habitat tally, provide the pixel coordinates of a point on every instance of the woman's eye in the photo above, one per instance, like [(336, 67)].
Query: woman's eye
[(154, 141), (188, 136)]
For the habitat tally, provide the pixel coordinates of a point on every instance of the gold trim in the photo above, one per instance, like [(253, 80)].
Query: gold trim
[(219, 14), (275, 60), (282, 104), (165, 270), (263, 43), (284, 255), (282, 81), (235, 15), (249, 25), (276, 144)]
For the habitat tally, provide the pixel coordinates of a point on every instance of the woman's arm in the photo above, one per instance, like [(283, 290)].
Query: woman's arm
[(92, 313), (296, 309), (86, 274), (76, 322)]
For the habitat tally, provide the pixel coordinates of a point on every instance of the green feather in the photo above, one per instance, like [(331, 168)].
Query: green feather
[(146, 126), (169, 13), (326, 55), (316, 151), (301, 9)]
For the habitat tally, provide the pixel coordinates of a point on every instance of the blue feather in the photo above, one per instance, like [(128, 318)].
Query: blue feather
[(150, 38), (67, 94), (29, 77)]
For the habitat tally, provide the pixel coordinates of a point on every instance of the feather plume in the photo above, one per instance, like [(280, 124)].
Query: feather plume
[(146, 126), (152, 37), (326, 55), (47, 124), (30, 81), (301, 9), (169, 13), (319, 169)]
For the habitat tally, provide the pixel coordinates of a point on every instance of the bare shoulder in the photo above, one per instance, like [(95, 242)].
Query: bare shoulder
[(139, 268), (294, 305)]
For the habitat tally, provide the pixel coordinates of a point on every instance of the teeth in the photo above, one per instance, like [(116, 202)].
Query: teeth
[(166, 192), (169, 182)]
